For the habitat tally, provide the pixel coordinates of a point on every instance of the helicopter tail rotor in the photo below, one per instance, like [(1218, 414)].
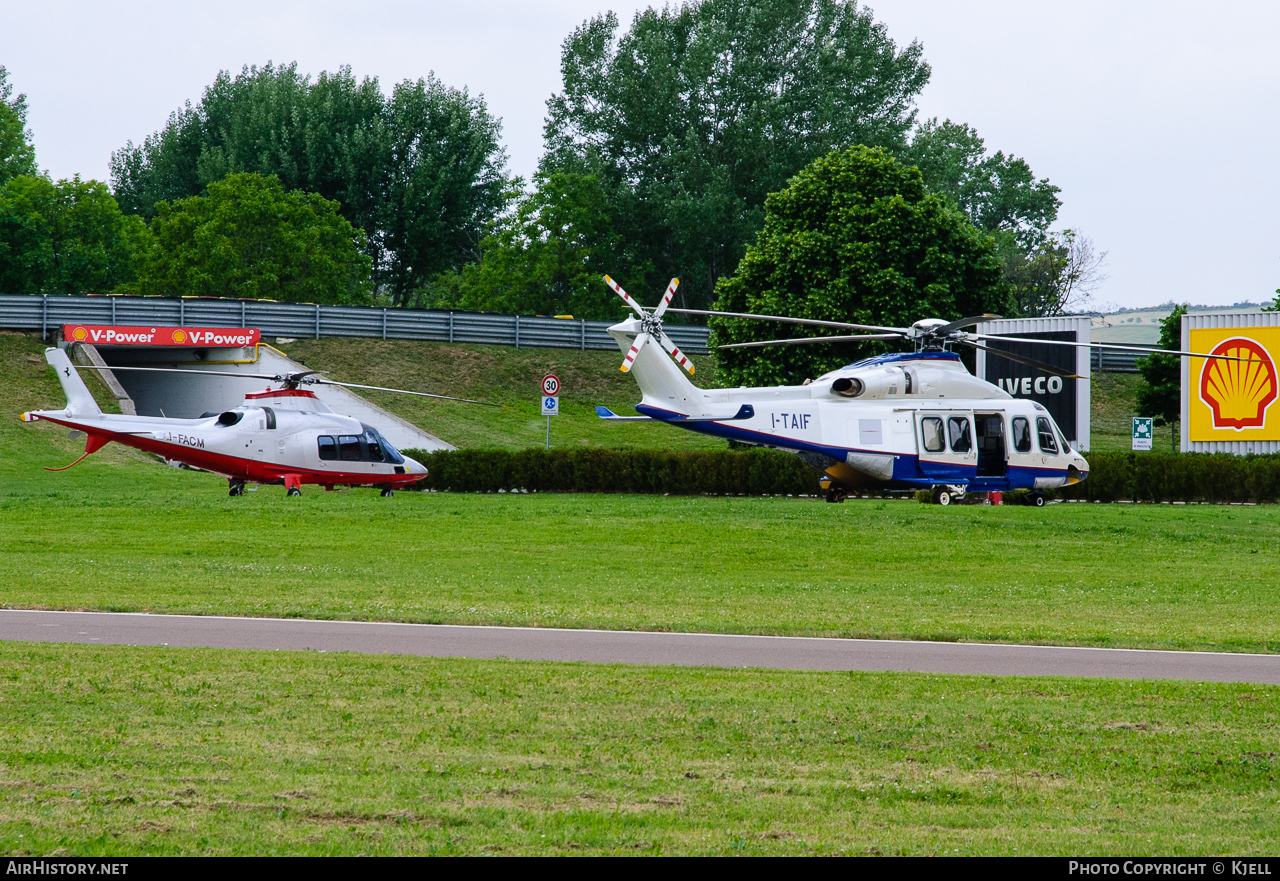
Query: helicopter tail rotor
[(651, 324)]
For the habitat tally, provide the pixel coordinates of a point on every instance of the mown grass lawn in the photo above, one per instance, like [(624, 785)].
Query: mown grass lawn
[(119, 532), (114, 750)]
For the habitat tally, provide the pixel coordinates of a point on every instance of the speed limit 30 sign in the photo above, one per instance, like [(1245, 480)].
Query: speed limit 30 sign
[(551, 384)]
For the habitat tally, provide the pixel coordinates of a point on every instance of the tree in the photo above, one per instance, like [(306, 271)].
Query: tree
[(421, 172), (64, 238), (855, 237), (1054, 277), (547, 258), (700, 110), (1160, 392), (998, 193), (249, 238), (17, 155)]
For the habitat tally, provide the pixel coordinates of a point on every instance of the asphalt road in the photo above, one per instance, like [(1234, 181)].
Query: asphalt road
[(630, 647)]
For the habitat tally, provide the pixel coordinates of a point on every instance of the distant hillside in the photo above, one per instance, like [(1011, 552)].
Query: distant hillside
[(1142, 326)]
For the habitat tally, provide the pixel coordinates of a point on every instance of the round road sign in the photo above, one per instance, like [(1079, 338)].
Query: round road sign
[(550, 384)]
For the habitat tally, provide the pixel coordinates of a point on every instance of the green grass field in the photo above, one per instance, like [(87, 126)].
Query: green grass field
[(115, 750)]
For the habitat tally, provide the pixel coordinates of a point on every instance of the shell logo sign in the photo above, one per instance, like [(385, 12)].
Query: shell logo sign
[(79, 334), (1231, 400), (179, 336)]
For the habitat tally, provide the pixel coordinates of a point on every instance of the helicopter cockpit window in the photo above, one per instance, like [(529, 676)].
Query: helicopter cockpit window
[(931, 431), (328, 449), (380, 449), (349, 448), (1048, 444), (958, 434), (371, 441), (1021, 434)]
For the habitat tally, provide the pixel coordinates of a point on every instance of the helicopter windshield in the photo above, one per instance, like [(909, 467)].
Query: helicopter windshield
[(380, 449)]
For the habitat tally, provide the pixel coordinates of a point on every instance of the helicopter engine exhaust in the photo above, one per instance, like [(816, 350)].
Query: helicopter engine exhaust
[(848, 387)]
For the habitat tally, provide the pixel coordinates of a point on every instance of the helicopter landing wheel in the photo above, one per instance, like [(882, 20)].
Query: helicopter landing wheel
[(386, 493), (293, 491), (942, 496), (235, 488), (835, 496), (1036, 499)]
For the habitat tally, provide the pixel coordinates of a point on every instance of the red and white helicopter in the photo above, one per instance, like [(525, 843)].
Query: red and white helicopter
[(902, 421), (278, 436)]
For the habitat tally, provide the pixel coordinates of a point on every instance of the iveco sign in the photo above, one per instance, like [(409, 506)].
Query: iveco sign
[(1067, 400)]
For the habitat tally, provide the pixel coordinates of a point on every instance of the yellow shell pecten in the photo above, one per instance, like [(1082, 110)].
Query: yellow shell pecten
[(1239, 392)]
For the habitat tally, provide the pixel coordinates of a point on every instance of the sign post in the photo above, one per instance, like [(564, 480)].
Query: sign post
[(550, 401), (1144, 429)]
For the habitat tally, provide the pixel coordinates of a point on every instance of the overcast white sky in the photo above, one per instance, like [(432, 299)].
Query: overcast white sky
[(1158, 120)]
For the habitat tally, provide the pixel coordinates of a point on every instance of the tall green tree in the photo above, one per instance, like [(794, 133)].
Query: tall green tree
[(249, 238), (546, 258), (856, 237), (1160, 392), (696, 113), (422, 172), (998, 193), (17, 155), (64, 238)]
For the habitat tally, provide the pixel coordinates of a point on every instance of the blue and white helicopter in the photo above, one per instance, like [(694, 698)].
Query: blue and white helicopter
[(906, 421)]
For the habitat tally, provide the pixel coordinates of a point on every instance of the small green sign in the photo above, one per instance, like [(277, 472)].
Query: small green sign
[(1144, 429)]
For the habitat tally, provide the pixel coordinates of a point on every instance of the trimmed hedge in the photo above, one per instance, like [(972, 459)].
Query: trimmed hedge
[(1178, 477), (755, 473), (1151, 477)]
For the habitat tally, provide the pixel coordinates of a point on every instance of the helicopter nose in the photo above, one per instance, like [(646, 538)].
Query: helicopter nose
[(413, 466)]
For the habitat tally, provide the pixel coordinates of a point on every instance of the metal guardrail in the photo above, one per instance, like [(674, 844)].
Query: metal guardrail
[(1107, 361), (47, 314), (308, 320)]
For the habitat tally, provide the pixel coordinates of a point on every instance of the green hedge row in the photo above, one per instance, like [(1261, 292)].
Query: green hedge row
[(1178, 477), (755, 473)]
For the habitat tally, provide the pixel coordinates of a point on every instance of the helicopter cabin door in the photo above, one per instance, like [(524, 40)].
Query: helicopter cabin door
[(993, 456), (946, 443)]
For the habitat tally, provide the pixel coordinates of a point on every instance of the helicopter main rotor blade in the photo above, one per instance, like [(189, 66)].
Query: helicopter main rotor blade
[(635, 350), (900, 331), (399, 391), (1113, 347), (812, 339), (1023, 359), (966, 322), (666, 298), (626, 298), (271, 377)]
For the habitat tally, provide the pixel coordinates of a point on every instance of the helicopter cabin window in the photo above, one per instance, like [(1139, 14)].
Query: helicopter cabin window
[(958, 434), (349, 448), (328, 449), (1048, 444), (371, 439), (1021, 434), (931, 432)]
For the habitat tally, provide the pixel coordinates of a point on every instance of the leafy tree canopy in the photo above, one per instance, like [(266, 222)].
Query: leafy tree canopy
[(998, 193), (1160, 392), (64, 238), (249, 238), (17, 155), (546, 258), (700, 110), (855, 237), (421, 171)]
